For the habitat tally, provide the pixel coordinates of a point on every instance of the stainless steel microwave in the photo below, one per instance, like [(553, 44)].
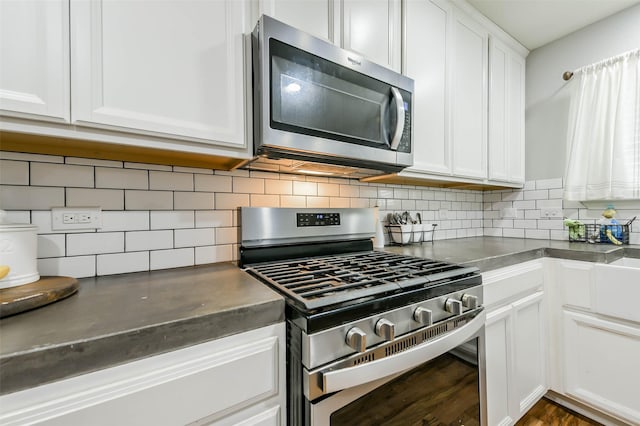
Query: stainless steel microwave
[(321, 109)]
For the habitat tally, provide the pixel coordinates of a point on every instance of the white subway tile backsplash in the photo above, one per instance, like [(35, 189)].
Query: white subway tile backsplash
[(18, 216), (148, 240), (328, 190), (148, 200), (358, 203), (194, 219), (124, 221), (13, 197), (176, 219), (232, 201), (144, 166), (338, 203), (318, 202), (212, 254), (542, 194), (171, 181), (107, 199), (181, 169), (261, 200), (122, 263), (76, 266), (95, 243), (49, 174), (194, 237), (279, 187), (93, 162), (214, 219), (121, 178), (193, 201), (20, 156), (369, 192), (539, 234), (305, 188), (163, 259), (51, 245), (242, 185), (227, 235), (14, 172), (293, 201)]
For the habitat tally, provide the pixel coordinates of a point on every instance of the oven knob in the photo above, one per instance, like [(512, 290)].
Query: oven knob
[(469, 301), (423, 315), (453, 306), (357, 339), (385, 329)]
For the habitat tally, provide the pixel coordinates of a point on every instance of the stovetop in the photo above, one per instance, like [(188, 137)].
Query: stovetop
[(323, 282)]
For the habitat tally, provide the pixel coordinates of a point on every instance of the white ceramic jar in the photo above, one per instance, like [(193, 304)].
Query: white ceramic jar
[(18, 252)]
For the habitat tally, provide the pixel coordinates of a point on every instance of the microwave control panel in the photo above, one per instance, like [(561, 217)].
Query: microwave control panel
[(318, 219)]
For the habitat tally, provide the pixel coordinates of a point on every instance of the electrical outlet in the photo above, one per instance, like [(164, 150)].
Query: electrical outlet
[(66, 218), (557, 212), (443, 214)]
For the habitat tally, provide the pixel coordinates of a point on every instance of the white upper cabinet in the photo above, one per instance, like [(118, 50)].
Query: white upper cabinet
[(171, 69), (426, 61), (469, 97), (368, 27), (372, 28), (320, 18), (506, 113), (34, 53)]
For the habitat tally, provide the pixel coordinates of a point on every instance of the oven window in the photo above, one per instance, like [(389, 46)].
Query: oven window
[(316, 97), (443, 391)]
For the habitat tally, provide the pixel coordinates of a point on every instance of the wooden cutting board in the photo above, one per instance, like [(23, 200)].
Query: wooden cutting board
[(25, 297)]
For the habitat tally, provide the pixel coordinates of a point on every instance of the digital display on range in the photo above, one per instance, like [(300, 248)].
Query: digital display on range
[(317, 219)]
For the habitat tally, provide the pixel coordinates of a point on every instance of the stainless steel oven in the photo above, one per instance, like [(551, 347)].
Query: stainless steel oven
[(373, 338), (315, 103)]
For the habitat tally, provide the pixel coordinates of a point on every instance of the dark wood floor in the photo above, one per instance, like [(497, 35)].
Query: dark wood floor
[(548, 413)]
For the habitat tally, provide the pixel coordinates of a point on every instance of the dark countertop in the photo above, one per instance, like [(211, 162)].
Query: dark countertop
[(120, 318), (489, 253)]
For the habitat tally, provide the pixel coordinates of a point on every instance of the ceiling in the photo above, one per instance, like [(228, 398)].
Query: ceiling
[(535, 23)]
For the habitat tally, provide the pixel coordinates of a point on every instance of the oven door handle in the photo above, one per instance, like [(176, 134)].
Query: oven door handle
[(329, 381), (400, 117)]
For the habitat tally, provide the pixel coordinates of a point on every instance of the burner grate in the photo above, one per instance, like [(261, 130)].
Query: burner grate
[(326, 280)]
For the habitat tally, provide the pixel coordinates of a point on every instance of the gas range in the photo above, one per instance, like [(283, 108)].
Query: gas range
[(347, 304)]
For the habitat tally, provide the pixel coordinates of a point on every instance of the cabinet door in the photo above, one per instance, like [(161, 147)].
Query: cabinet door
[(469, 97), (320, 18), (499, 360), (506, 113), (601, 364), (34, 53), (426, 60), (173, 69), (529, 351), (372, 28)]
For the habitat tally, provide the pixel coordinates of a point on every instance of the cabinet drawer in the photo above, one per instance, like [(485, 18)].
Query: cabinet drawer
[(507, 284), (209, 380)]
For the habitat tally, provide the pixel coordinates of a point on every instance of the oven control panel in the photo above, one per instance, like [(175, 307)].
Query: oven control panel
[(317, 219)]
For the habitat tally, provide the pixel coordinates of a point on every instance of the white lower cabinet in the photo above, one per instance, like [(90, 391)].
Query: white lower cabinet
[(602, 364), (238, 379), (595, 355), (515, 341)]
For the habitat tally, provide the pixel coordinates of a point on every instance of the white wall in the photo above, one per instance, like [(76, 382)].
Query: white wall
[(547, 101)]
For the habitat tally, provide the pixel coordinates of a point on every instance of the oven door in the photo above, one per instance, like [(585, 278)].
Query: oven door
[(446, 388)]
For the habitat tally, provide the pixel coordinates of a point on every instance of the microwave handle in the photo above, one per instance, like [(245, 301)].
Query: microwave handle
[(400, 115)]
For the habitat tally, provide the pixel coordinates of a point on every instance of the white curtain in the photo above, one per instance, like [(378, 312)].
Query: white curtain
[(603, 143)]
